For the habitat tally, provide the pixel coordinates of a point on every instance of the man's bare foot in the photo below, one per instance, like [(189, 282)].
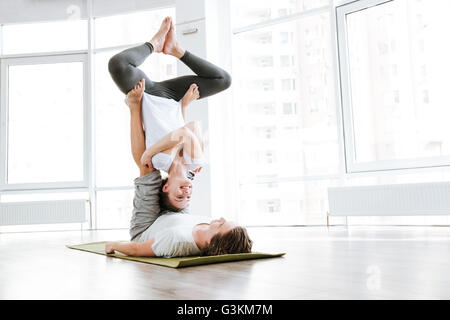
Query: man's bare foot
[(134, 96), (160, 37), (171, 46), (190, 95)]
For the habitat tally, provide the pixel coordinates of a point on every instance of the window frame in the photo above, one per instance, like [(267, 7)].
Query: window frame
[(351, 166), (90, 158), (4, 106)]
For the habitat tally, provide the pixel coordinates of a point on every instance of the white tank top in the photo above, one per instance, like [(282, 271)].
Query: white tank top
[(161, 116)]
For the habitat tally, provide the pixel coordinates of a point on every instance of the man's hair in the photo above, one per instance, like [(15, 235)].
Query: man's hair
[(164, 202), (234, 241)]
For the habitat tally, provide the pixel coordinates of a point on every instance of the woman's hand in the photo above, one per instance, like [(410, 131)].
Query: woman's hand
[(134, 96), (146, 159)]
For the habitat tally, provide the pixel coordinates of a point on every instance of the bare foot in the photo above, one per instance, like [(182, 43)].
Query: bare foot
[(160, 37), (134, 96), (190, 95), (171, 46)]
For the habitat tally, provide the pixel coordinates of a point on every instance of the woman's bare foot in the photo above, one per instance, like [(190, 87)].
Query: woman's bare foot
[(159, 38), (134, 96), (171, 46), (190, 95)]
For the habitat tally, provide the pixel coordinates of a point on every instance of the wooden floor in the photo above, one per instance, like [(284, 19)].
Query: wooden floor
[(321, 263)]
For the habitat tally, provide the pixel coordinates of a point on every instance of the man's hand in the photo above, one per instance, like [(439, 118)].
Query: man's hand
[(109, 247), (134, 96)]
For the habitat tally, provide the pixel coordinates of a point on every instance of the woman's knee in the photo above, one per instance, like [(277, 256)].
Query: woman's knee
[(116, 66), (194, 126), (226, 80), (118, 71)]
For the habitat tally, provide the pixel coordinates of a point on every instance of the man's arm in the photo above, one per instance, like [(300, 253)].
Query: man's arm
[(137, 134), (138, 141), (136, 249)]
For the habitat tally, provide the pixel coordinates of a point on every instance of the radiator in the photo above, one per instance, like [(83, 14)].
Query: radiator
[(43, 212), (390, 200)]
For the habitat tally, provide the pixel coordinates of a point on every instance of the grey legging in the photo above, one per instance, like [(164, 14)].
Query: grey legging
[(209, 78)]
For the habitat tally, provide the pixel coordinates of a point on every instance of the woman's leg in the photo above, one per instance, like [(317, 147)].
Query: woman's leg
[(123, 66), (209, 78)]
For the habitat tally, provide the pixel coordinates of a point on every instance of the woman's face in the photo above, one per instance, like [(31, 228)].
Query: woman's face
[(179, 190), (219, 226)]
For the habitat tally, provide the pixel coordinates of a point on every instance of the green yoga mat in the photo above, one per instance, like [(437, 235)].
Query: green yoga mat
[(179, 262)]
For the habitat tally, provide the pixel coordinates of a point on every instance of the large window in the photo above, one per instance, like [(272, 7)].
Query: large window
[(45, 37), (301, 129), (394, 71), (251, 12), (64, 124), (285, 112), (43, 141), (321, 97)]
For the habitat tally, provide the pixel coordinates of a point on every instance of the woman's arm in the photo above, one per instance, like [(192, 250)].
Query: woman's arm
[(137, 249), (181, 135)]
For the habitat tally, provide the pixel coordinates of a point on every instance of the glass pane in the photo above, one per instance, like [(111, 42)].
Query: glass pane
[(285, 203), (115, 164), (129, 28), (45, 127), (45, 36), (398, 72), (254, 11), (114, 209), (284, 100)]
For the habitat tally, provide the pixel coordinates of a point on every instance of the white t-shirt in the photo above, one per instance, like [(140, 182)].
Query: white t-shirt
[(161, 116), (172, 232)]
